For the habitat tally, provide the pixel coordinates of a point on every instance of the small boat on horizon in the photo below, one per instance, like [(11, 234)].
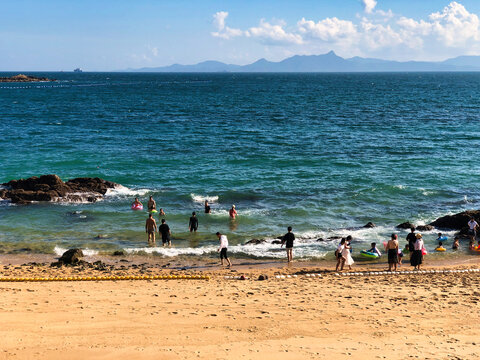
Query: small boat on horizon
[(78, 70)]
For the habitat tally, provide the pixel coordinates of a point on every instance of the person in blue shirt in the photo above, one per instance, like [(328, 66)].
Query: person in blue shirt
[(374, 249)]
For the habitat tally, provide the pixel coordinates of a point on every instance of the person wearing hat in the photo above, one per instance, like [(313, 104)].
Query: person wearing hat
[(233, 212), (417, 256)]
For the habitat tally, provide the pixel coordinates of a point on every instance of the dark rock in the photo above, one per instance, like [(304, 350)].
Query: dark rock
[(369, 225), (119, 253), (24, 78), (52, 188), (263, 277), (255, 242), (405, 225), (425, 228), (334, 238), (276, 242), (320, 239), (457, 221), (71, 256)]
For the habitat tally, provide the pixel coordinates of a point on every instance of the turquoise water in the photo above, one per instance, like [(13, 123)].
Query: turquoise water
[(325, 153)]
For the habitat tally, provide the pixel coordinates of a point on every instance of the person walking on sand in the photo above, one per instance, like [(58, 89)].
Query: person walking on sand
[(338, 255), (223, 248), (233, 213), (347, 256), (150, 229), (417, 256), (208, 210), (411, 238), (288, 240), (472, 229), (152, 205), (193, 222), (164, 229), (392, 251)]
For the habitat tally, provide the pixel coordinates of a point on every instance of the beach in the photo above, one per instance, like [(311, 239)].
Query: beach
[(401, 316)]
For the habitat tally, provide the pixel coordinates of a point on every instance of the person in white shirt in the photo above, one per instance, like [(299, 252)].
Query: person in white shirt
[(472, 229), (417, 256), (338, 254), (223, 248)]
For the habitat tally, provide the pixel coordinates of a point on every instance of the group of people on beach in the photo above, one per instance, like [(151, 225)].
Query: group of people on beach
[(415, 245), (151, 227)]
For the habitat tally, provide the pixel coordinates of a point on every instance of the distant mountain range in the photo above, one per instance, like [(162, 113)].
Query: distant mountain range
[(329, 62)]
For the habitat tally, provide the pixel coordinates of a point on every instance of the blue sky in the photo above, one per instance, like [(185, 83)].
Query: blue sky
[(107, 35)]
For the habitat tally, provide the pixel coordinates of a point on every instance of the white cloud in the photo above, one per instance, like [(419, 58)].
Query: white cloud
[(329, 29), (369, 5), (223, 31), (450, 32), (273, 34)]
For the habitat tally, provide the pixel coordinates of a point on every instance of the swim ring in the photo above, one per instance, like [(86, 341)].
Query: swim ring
[(442, 238), (368, 254), (137, 207), (440, 249), (153, 211)]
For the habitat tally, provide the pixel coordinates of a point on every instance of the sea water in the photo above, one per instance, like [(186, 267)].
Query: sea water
[(323, 153)]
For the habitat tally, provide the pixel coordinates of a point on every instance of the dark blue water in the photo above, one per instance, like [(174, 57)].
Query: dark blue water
[(320, 152)]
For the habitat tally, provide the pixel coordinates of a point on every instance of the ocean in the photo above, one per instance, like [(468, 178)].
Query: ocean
[(323, 153)]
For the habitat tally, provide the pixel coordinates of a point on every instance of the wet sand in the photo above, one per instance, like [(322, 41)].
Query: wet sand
[(423, 316)]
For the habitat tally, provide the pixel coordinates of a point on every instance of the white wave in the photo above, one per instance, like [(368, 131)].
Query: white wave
[(401, 187), (123, 191), (202, 198), (302, 250), (87, 252), (171, 252)]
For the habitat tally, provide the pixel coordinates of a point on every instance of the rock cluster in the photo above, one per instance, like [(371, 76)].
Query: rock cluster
[(52, 188), (24, 78)]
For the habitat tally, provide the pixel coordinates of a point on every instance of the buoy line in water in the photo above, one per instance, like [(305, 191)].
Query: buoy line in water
[(105, 278)]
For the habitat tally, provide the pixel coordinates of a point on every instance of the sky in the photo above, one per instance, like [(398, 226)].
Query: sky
[(103, 35)]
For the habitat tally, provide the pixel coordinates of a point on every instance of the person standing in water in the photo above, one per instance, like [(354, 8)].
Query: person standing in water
[(150, 229), (164, 229), (152, 205), (411, 238), (193, 223), (161, 212), (472, 229), (288, 240), (223, 248), (392, 251), (208, 210), (233, 213)]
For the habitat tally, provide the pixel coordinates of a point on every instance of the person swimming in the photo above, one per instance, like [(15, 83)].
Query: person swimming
[(374, 249), (440, 247), (137, 202), (208, 209), (456, 243)]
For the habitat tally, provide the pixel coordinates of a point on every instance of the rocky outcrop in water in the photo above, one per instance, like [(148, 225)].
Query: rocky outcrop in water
[(24, 78), (52, 188), (457, 221)]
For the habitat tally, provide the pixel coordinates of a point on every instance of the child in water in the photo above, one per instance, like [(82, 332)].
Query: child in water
[(374, 249), (400, 256), (440, 247), (456, 243)]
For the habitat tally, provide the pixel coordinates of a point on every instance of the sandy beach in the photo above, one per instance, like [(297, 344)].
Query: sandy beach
[(406, 316)]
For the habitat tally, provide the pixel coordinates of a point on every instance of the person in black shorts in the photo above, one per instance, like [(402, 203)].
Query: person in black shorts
[(164, 229), (288, 240), (411, 238), (193, 223), (223, 248)]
